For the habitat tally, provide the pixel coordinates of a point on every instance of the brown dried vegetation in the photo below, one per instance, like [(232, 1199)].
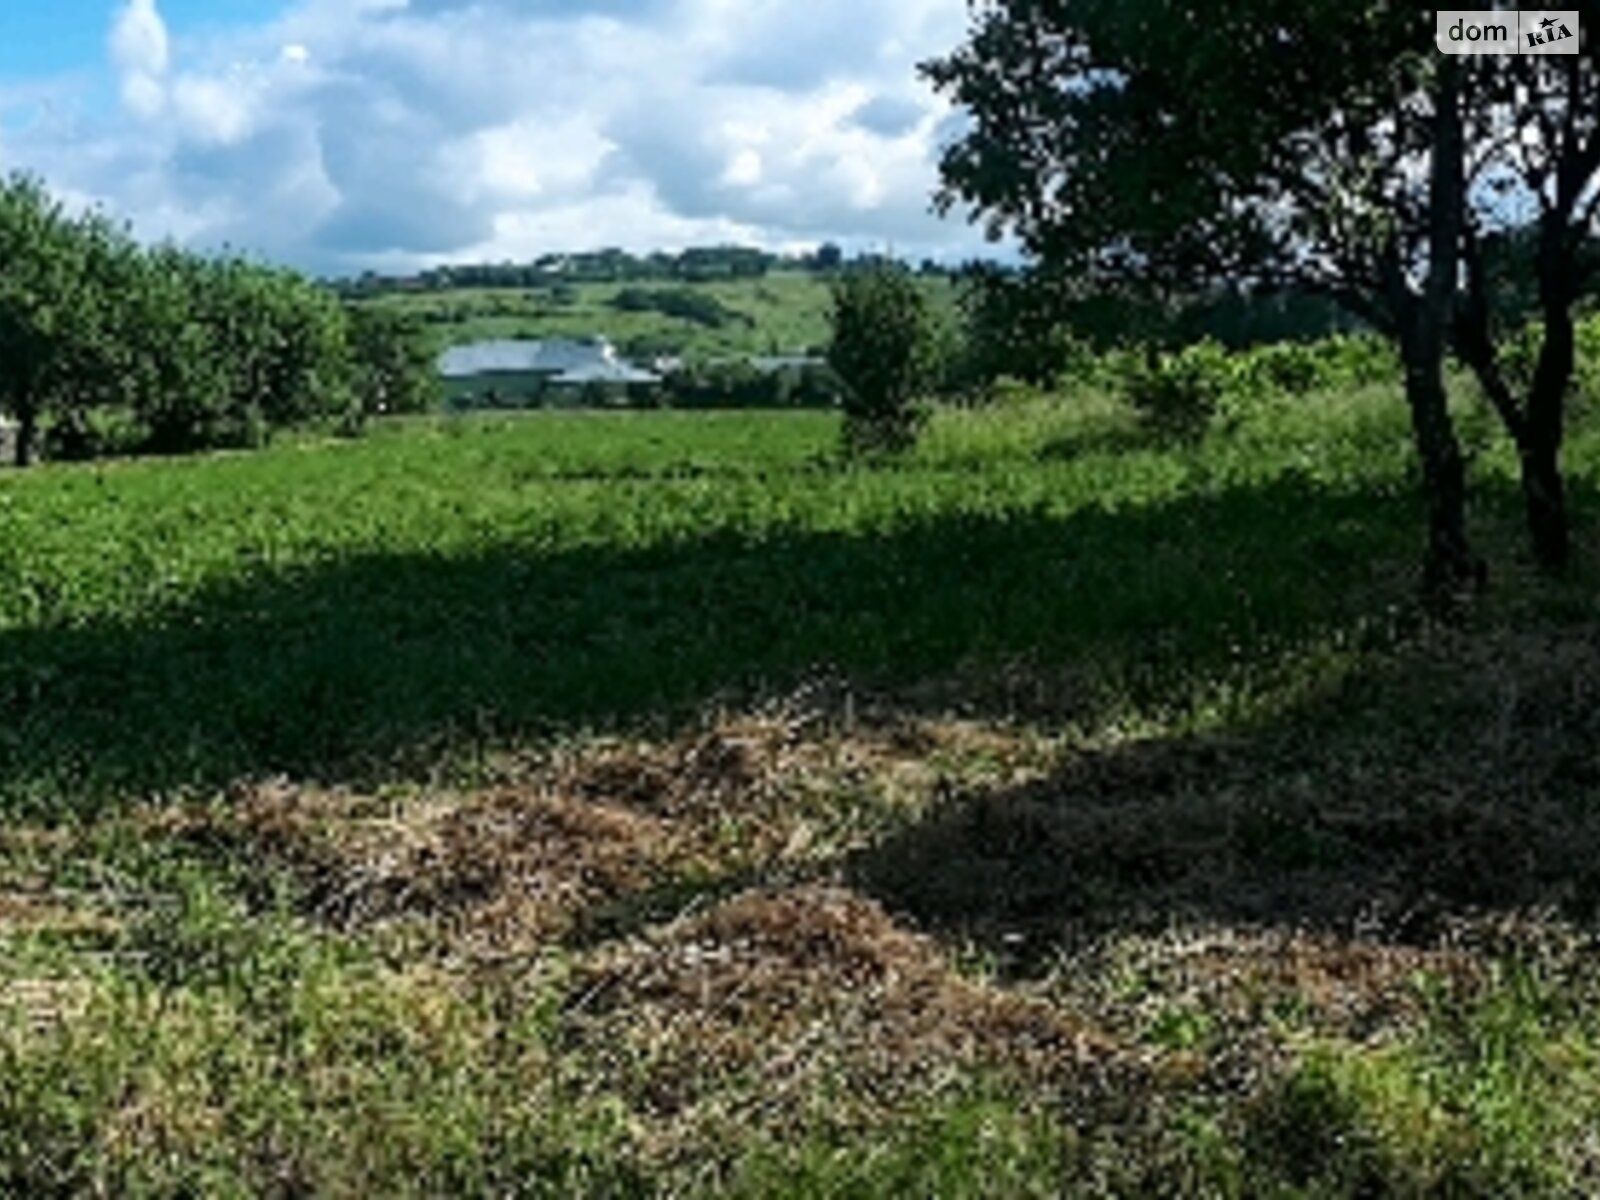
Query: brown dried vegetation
[(789, 989)]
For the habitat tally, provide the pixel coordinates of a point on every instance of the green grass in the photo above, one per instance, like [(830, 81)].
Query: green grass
[(654, 804), (334, 610)]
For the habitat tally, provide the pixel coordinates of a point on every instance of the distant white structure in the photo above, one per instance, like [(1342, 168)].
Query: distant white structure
[(559, 362), (787, 362)]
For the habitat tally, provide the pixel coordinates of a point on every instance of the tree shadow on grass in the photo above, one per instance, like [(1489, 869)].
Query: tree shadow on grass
[(375, 667), (1458, 781)]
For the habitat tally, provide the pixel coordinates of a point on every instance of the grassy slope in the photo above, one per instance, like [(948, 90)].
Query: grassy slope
[(786, 312), (644, 802)]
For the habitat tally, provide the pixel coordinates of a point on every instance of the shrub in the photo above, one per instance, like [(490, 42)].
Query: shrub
[(1177, 395), (392, 365), (1290, 367), (882, 352), (685, 304)]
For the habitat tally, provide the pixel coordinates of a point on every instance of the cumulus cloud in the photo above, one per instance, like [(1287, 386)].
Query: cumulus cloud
[(140, 51), (348, 133)]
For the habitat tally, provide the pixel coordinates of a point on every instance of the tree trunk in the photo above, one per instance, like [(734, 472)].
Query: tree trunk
[(1544, 494), (27, 435), (1449, 567), (1543, 490), (1535, 425)]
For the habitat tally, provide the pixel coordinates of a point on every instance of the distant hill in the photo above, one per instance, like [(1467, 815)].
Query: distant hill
[(781, 312)]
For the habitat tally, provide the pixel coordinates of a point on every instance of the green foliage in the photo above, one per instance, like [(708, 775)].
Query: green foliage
[(57, 310), (697, 264), (112, 347), (1008, 328), (394, 368), (1176, 395), (883, 353), (255, 1058), (783, 312), (318, 606), (743, 385), (1180, 393), (699, 307), (967, 1146), (1519, 357), (1177, 159)]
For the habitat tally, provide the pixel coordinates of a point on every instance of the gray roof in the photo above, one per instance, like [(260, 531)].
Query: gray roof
[(782, 362), (565, 359), (606, 372)]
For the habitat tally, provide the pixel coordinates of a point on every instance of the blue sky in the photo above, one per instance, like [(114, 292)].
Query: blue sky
[(41, 39), (344, 134)]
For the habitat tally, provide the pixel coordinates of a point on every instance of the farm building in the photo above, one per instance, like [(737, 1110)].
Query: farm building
[(524, 372)]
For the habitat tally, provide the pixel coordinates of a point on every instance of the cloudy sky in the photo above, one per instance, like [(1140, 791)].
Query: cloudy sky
[(341, 134)]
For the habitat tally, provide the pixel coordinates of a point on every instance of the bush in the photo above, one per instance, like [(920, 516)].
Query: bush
[(1519, 358), (392, 364), (882, 352), (1009, 328), (700, 308), (1290, 367), (1177, 395)]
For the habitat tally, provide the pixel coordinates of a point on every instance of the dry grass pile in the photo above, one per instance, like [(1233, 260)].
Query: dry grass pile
[(783, 995), (597, 838), (500, 872)]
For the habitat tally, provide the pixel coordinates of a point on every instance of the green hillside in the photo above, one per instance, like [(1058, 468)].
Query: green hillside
[(783, 312)]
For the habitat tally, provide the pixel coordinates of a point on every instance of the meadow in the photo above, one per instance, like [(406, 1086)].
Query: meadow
[(655, 804)]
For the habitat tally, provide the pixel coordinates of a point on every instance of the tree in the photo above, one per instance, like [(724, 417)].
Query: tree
[(393, 364), (1011, 326), (54, 306), (882, 352), (1175, 145), (282, 341), (174, 369), (1533, 131)]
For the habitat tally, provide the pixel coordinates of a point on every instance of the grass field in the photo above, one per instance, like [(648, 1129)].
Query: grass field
[(785, 312), (647, 804)]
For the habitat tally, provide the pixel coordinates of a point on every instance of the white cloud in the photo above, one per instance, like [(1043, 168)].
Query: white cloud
[(140, 52), (212, 109), (356, 132)]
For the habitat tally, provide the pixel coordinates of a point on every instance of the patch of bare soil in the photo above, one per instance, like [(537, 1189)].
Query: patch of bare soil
[(783, 994)]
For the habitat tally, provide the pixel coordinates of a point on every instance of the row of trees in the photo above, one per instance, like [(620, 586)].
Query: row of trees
[(108, 345), (1145, 147), (698, 264)]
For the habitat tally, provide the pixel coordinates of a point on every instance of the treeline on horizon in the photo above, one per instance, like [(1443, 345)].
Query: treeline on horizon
[(699, 264), (111, 347)]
